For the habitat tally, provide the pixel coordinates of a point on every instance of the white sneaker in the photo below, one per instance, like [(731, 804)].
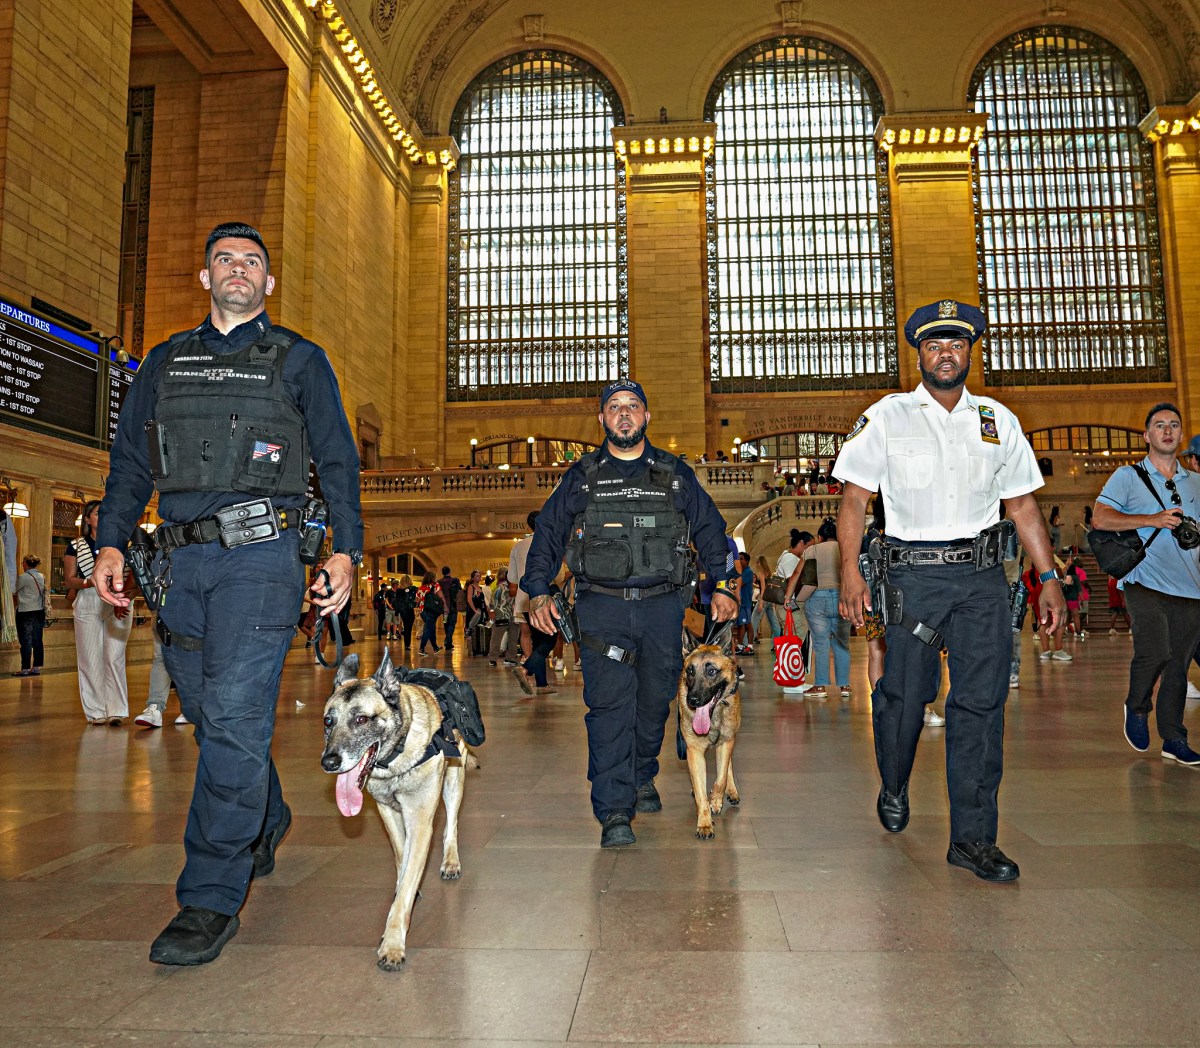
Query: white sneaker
[(933, 718), (1193, 692), (181, 719), (558, 665), (1014, 682), (1060, 656), (1045, 655), (150, 717), (1083, 634), (1112, 632)]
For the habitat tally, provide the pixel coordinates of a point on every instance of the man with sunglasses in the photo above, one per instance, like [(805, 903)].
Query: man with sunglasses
[(1163, 591)]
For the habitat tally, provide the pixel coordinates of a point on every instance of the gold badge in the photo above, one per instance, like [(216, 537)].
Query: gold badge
[(946, 309), (987, 425)]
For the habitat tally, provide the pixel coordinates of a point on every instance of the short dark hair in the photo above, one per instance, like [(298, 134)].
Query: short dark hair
[(1164, 406), (531, 520), (805, 536), (827, 530), (445, 571), (239, 230)]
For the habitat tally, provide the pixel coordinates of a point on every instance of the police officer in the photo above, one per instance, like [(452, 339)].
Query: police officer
[(943, 459), (223, 419), (623, 514)]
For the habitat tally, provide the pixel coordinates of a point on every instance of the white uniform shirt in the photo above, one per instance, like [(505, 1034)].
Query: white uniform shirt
[(942, 473)]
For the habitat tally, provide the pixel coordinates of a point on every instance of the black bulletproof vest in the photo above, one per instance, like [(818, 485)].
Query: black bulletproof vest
[(630, 528), (225, 421)]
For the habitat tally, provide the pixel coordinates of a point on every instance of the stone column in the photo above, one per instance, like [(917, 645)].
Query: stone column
[(1175, 132), (664, 165), (933, 216)]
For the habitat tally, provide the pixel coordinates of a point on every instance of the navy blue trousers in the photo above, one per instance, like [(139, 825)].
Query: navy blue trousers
[(243, 603), (627, 706), (970, 610)]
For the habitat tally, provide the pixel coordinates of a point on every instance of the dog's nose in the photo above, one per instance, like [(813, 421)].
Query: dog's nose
[(331, 761)]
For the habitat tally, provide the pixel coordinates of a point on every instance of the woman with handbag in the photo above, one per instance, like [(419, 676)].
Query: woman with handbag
[(776, 587), (31, 616), (101, 631)]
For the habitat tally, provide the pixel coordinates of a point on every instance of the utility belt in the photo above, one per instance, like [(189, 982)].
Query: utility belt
[(241, 525), (627, 592), (984, 551)]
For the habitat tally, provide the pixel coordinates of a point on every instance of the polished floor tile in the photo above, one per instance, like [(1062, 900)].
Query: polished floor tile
[(801, 923)]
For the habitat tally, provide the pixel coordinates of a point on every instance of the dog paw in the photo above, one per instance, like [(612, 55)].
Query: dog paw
[(390, 962), (716, 806), (705, 831), (451, 871), (734, 799)]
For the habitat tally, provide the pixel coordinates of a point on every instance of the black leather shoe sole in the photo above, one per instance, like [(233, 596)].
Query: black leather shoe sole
[(997, 873), (648, 799), (183, 945), (264, 854), (616, 834), (893, 812)]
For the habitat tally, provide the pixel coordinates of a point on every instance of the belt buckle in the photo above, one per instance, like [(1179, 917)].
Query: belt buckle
[(632, 593), (190, 532), (612, 651), (247, 523)]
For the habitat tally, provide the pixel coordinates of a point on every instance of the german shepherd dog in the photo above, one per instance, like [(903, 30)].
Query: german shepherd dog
[(710, 713), (381, 721)]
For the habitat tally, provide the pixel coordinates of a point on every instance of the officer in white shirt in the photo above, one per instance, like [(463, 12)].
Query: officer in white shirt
[(943, 459)]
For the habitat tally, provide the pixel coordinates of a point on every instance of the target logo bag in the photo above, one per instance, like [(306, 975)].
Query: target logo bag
[(789, 657)]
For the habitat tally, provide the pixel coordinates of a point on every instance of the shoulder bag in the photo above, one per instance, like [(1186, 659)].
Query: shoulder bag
[(1119, 552)]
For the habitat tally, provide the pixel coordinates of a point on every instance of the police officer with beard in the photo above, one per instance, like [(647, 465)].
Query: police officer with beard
[(223, 419), (942, 460), (623, 515)]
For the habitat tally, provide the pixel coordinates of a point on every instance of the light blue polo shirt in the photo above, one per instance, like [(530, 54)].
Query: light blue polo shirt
[(1167, 568)]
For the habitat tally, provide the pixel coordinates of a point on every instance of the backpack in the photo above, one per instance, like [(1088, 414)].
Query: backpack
[(457, 699), (431, 604), (460, 600)]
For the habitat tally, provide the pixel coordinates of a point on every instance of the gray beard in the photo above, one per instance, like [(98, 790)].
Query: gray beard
[(625, 443), (945, 384)]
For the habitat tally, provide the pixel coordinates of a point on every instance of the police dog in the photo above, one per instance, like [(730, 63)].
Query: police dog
[(377, 732), (710, 713)]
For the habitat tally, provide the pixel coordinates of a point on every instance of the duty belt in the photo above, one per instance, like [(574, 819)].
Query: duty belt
[(628, 592), (911, 556), (239, 525), (984, 551)]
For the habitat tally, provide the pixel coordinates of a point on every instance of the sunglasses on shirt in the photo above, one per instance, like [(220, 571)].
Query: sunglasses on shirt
[(1175, 499)]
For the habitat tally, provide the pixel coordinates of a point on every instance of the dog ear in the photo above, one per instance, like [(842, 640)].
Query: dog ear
[(347, 671), (723, 639), (689, 642), (385, 678)]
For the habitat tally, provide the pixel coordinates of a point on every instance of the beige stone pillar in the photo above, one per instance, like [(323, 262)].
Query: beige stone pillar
[(1175, 132), (933, 217), (664, 166)]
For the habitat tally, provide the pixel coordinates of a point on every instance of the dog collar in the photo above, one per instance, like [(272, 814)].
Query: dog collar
[(438, 744)]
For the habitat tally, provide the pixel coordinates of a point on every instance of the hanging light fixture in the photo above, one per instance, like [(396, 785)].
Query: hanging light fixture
[(11, 506)]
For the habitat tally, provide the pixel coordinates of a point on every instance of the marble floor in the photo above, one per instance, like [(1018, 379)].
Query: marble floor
[(803, 922)]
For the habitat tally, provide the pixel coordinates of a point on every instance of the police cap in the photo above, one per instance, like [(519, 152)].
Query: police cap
[(624, 385), (945, 319)]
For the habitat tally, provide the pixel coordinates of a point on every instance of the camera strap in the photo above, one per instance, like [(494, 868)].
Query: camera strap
[(1141, 472)]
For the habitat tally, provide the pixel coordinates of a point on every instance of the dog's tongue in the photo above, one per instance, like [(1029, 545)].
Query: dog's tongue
[(349, 796), (702, 720)]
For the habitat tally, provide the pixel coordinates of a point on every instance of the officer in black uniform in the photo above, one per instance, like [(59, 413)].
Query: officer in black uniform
[(223, 419), (623, 515)]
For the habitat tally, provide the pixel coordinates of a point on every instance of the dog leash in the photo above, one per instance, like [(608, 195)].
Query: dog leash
[(320, 627)]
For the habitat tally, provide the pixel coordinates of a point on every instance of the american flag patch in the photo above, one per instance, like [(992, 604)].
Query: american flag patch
[(262, 449)]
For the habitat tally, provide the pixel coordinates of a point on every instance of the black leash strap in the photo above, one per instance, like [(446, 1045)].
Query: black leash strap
[(335, 630)]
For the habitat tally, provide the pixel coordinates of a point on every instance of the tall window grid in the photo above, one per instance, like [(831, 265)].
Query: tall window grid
[(538, 291), (1070, 265), (801, 286), (135, 219)]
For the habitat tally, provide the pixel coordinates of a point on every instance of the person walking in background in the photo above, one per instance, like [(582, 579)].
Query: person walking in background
[(31, 616), (502, 624), (1056, 529), (1052, 639), (160, 689), (379, 604), (1116, 607), (101, 630), (1074, 589), (433, 610), (476, 609), (825, 624), (785, 568), (451, 588), (404, 605), (743, 631)]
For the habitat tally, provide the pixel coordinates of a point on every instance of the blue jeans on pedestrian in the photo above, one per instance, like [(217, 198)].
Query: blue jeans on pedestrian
[(232, 616), (826, 626), (429, 631), (773, 619)]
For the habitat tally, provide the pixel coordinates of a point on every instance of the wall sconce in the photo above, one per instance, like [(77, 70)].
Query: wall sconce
[(737, 449), (529, 448), (474, 445), (11, 506)]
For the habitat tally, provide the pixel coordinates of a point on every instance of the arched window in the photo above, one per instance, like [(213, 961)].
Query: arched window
[(1070, 268), (537, 280), (801, 292)]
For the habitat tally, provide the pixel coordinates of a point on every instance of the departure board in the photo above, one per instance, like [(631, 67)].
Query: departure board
[(56, 380)]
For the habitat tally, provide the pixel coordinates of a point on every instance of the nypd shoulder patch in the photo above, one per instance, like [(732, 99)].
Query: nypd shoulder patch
[(859, 426)]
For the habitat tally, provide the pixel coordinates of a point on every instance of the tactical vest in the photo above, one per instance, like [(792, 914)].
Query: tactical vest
[(225, 421), (630, 528)]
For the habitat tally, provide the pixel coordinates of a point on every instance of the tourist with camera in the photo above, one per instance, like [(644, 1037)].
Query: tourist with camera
[(1162, 591)]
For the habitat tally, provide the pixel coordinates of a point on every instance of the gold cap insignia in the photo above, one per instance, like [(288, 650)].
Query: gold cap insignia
[(947, 309)]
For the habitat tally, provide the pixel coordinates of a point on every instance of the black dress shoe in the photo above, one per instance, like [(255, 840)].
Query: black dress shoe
[(984, 860), (647, 799), (264, 850), (616, 831), (893, 808), (194, 936)]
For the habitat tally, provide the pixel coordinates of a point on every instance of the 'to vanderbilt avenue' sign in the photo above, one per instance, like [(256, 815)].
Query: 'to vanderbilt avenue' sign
[(801, 422)]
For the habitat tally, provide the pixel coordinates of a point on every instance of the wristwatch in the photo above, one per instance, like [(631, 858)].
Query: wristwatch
[(355, 555), (1046, 576)]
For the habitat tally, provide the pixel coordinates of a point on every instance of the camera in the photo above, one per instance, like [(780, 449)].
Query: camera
[(1187, 534)]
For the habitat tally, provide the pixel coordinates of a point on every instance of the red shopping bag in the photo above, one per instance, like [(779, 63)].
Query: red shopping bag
[(789, 657)]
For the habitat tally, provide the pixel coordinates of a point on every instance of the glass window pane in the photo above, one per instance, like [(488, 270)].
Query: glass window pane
[(1065, 202)]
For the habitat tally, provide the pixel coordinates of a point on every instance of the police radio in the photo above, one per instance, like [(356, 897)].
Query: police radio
[(314, 523)]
